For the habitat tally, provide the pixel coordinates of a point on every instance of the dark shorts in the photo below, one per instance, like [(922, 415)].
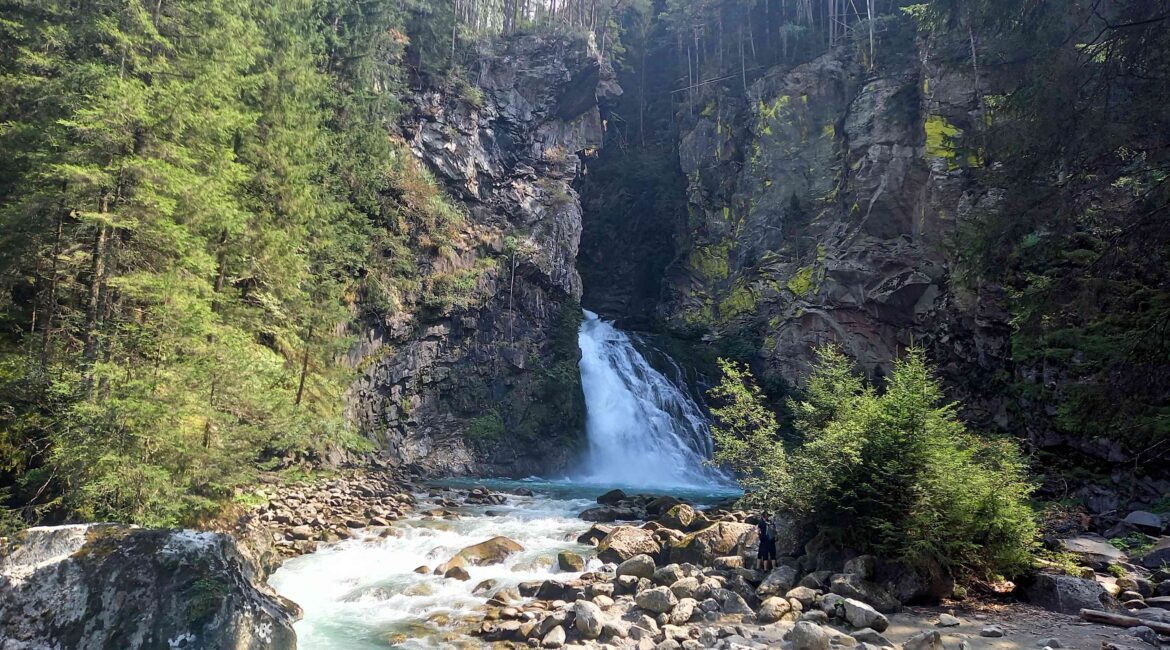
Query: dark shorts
[(767, 550)]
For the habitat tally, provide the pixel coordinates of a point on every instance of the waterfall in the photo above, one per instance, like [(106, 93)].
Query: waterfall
[(643, 430)]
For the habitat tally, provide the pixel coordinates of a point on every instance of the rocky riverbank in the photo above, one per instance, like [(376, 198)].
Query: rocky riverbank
[(678, 577)]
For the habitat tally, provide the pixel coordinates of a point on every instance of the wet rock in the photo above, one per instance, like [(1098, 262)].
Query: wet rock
[(493, 551), (611, 497), (457, 573), (640, 566), (570, 561), (594, 535)]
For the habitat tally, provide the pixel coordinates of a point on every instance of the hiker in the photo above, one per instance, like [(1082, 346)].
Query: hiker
[(766, 558)]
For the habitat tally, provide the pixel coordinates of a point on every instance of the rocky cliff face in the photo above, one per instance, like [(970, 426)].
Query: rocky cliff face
[(822, 204), (491, 383), (109, 586)]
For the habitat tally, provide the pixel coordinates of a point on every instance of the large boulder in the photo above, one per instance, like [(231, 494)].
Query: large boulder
[(624, 542), (777, 582), (1093, 551), (493, 551), (679, 517), (1067, 594), (718, 540), (850, 585), (105, 586)]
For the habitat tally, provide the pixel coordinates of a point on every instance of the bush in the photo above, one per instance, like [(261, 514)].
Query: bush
[(895, 473)]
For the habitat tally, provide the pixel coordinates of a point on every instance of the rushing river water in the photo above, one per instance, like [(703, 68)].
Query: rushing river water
[(645, 434), (363, 593)]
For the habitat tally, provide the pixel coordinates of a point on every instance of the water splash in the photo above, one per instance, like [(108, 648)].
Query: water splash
[(643, 430)]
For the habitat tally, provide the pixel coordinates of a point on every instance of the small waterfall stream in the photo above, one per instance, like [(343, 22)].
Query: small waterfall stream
[(644, 430)]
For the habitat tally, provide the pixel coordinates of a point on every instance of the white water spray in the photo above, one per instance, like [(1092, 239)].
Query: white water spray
[(644, 431)]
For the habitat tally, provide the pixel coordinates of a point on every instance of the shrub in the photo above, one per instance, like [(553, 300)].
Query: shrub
[(487, 428), (895, 473)]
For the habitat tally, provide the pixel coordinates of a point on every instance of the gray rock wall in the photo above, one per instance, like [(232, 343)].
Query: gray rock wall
[(493, 386), (97, 586)]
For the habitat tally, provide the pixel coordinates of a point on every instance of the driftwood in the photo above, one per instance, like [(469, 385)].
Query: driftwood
[(1121, 620)]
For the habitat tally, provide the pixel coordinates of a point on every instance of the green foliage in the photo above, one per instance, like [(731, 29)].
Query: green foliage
[(893, 472), (487, 428), (185, 223)]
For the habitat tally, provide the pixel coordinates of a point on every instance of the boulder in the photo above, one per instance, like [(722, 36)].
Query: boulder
[(661, 505), (609, 514), (107, 586), (493, 551), (777, 582), (685, 587), (595, 534), (457, 573), (861, 615), (774, 609), (851, 585), (1093, 551), (1067, 594), (570, 561), (668, 575), (554, 639), (809, 636), (1159, 555), (588, 619), (872, 636), (680, 517), (659, 600), (612, 497), (803, 595), (683, 611), (1161, 602), (624, 542), (639, 566), (1146, 521), (718, 540)]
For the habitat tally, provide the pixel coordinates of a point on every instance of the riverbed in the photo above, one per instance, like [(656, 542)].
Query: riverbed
[(364, 594)]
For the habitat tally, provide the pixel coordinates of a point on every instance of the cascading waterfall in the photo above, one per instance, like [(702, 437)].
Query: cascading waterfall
[(644, 431)]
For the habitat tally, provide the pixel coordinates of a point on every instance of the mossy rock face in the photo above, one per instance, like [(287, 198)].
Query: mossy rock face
[(109, 586)]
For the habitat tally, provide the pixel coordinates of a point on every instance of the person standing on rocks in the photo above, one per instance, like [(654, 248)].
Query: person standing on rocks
[(766, 557)]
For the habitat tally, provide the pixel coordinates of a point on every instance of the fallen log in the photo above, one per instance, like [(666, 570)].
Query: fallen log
[(1121, 620)]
